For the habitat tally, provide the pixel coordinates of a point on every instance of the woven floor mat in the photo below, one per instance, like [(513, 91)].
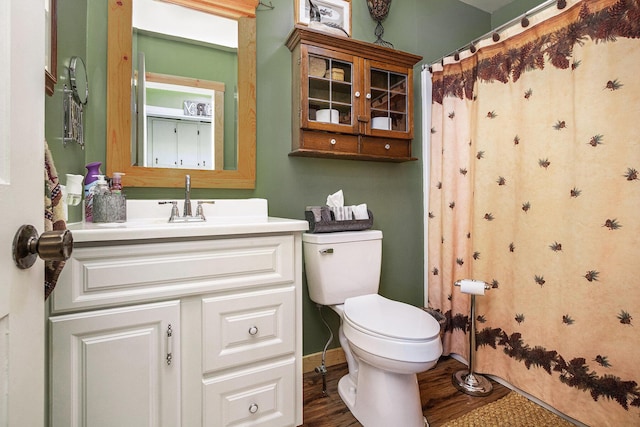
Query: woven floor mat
[(513, 410)]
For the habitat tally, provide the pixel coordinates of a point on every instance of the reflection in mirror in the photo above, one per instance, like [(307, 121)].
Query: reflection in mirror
[(178, 55), (165, 70), (182, 122)]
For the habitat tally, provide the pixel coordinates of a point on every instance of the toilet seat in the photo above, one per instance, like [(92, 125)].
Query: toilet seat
[(391, 329)]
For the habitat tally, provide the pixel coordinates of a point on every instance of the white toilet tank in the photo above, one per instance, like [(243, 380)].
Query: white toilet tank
[(342, 265)]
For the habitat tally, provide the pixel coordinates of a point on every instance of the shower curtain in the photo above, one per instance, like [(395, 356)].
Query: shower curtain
[(534, 189)]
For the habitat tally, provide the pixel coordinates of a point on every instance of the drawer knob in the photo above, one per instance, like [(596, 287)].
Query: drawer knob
[(253, 330), (388, 146), (357, 94), (253, 408), (333, 141)]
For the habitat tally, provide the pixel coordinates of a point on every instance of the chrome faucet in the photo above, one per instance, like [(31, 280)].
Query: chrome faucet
[(187, 196), (188, 213)]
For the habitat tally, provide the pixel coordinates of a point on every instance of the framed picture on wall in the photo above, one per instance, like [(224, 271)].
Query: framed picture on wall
[(335, 15)]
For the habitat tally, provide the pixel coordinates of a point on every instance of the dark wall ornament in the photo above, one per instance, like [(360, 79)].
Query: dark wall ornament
[(379, 9)]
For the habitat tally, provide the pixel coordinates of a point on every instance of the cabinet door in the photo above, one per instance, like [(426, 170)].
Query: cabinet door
[(187, 144), (205, 147), (117, 367), (389, 101), (330, 88), (162, 137)]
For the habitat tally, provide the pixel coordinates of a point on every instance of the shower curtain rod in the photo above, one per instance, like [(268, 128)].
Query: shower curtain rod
[(494, 33)]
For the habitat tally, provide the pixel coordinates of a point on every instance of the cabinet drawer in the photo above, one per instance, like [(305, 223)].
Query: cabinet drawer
[(242, 328), (109, 275), (386, 147), (329, 142), (259, 397)]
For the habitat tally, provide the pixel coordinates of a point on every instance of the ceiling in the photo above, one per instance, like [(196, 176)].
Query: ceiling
[(488, 6)]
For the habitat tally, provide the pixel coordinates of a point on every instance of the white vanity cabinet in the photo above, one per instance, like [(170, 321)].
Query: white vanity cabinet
[(189, 331)]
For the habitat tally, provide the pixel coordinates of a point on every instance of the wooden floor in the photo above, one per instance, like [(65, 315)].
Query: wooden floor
[(441, 401)]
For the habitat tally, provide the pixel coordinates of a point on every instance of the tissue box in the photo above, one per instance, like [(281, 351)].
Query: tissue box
[(321, 220), (109, 208)]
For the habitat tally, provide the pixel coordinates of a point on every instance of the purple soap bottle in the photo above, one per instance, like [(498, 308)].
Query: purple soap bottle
[(93, 170)]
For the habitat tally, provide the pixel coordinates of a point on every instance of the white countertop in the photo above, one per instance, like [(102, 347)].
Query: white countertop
[(88, 232)]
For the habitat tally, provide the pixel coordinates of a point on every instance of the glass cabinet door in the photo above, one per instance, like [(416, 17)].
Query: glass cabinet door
[(330, 92), (389, 100)]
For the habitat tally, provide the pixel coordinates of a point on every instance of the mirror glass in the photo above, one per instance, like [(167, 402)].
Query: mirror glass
[(78, 80), (185, 78), (181, 101)]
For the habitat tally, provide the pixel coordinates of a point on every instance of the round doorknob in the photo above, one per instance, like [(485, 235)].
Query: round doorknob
[(55, 245)]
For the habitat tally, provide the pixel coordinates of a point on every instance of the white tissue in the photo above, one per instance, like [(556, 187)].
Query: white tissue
[(341, 212), (336, 199), (360, 211), (473, 287)]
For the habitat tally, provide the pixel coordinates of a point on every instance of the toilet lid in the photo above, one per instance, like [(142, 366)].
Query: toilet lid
[(392, 319)]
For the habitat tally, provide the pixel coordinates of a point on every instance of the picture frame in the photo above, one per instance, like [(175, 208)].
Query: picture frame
[(51, 46), (334, 12)]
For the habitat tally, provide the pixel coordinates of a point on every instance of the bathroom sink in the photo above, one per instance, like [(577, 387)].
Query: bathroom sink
[(143, 213)]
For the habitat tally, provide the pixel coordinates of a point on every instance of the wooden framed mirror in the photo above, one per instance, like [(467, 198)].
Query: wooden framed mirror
[(119, 104)]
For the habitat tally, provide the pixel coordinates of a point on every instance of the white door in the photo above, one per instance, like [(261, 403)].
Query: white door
[(21, 202)]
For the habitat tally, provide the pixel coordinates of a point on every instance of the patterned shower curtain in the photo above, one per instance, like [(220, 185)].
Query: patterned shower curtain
[(534, 189)]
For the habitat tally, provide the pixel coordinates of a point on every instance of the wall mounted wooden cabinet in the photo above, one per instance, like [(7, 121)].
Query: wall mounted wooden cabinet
[(351, 99)]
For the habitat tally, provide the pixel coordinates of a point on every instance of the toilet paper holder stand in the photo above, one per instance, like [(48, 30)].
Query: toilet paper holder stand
[(467, 381)]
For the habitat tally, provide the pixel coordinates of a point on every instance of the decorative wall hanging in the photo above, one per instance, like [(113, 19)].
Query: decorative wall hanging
[(379, 9), (332, 16)]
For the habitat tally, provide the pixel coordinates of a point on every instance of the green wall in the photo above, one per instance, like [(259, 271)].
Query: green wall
[(392, 191)]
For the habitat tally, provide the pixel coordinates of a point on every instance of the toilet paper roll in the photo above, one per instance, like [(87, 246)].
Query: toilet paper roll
[(381, 123), (328, 116), (473, 287)]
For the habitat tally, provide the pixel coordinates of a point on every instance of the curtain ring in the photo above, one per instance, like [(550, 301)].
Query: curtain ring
[(524, 22), (495, 37), (456, 56), (562, 4), (472, 48)]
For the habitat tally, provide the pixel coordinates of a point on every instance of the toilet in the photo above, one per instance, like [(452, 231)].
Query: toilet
[(386, 343)]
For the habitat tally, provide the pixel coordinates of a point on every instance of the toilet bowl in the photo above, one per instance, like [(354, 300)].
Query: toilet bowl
[(389, 343), (386, 343)]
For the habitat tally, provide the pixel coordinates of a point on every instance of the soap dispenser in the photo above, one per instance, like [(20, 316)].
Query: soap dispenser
[(101, 186), (116, 183)]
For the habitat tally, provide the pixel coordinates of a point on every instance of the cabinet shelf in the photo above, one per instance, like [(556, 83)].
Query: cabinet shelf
[(365, 83), (302, 152)]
